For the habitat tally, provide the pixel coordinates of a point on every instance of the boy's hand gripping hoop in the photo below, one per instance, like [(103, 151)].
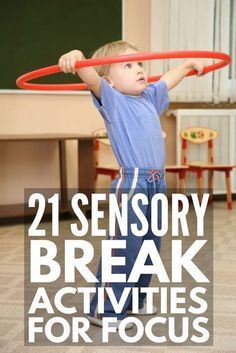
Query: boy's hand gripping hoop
[(22, 81)]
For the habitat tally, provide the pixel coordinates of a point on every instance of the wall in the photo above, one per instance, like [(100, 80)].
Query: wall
[(136, 15)]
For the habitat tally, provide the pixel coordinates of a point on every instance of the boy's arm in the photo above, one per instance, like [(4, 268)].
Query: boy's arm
[(176, 75), (87, 74)]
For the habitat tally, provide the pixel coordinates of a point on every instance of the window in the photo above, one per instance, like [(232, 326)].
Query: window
[(196, 25)]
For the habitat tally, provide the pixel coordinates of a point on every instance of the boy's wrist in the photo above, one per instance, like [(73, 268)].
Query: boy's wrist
[(196, 65)]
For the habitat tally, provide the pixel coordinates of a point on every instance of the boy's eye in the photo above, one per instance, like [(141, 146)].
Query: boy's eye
[(129, 65)]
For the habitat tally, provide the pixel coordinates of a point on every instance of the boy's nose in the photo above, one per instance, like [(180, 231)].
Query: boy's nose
[(139, 69)]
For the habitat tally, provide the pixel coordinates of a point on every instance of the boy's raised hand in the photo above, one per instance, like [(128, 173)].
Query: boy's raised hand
[(198, 66), (87, 74), (68, 60)]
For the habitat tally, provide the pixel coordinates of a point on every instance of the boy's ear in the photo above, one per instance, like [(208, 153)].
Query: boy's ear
[(109, 80)]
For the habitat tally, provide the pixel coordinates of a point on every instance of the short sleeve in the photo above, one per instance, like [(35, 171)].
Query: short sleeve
[(157, 93), (107, 104)]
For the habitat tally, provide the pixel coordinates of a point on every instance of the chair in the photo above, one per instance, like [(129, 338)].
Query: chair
[(102, 139), (177, 169), (198, 136), (181, 171)]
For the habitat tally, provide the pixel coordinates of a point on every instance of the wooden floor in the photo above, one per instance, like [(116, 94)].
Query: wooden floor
[(12, 293)]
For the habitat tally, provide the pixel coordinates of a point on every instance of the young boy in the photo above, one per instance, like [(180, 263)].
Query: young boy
[(131, 109)]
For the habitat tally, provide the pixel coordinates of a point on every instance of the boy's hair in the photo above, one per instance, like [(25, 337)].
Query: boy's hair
[(111, 49)]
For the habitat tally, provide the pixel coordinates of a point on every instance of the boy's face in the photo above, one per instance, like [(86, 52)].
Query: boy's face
[(129, 77)]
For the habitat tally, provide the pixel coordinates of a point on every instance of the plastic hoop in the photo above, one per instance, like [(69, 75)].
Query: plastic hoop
[(22, 81)]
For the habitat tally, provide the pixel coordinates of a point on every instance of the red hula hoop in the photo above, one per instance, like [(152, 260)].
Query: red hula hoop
[(22, 81)]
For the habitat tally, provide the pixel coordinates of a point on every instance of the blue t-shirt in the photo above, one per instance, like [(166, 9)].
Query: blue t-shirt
[(133, 124)]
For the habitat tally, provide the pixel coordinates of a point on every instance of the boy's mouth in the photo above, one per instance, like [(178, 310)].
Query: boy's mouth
[(141, 79)]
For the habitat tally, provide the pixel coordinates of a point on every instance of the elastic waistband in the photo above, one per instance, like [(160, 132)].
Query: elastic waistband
[(140, 171)]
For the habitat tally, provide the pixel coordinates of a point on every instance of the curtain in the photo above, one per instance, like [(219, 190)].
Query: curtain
[(233, 50), (196, 25)]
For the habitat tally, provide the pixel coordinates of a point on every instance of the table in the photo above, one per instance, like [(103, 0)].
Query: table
[(86, 161)]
